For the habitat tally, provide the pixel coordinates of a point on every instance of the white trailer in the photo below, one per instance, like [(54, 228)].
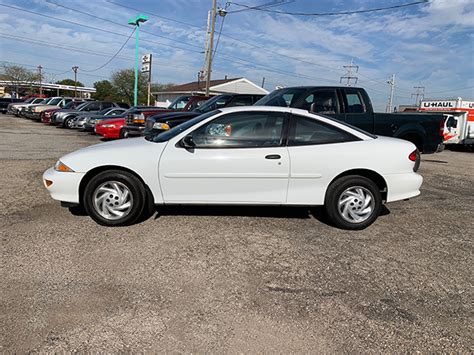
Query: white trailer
[(459, 123)]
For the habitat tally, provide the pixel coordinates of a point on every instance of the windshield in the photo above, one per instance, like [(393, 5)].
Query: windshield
[(55, 101), (70, 105), (30, 100), (45, 101), (214, 103), (281, 97), (81, 106), (179, 103), (103, 112), (167, 135), (37, 101)]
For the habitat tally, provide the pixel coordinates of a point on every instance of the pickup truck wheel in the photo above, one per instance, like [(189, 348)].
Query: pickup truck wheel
[(353, 202), (114, 198)]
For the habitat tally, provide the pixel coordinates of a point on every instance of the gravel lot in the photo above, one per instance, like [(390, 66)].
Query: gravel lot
[(273, 280)]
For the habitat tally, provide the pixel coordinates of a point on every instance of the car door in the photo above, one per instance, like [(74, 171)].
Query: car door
[(237, 158), (318, 152)]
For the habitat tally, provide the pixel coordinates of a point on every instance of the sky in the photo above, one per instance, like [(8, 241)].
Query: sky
[(430, 45)]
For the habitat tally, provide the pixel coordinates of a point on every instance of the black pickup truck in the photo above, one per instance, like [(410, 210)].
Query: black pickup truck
[(353, 105)]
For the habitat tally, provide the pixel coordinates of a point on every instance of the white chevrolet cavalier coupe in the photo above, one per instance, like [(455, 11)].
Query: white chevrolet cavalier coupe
[(241, 156)]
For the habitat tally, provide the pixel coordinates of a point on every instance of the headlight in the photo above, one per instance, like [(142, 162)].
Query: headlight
[(139, 118), (108, 126), (60, 166), (162, 126)]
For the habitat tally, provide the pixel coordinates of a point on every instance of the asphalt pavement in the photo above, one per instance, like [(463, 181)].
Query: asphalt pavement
[(231, 280)]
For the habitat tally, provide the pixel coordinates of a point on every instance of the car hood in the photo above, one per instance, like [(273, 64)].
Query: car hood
[(172, 115), (135, 154)]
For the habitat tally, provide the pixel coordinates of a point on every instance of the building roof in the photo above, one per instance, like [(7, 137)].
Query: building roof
[(196, 85)]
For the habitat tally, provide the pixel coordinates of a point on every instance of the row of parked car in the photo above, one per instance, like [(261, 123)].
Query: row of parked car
[(114, 120)]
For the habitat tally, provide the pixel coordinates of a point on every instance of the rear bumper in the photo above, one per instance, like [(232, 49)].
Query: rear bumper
[(111, 133), (65, 186), (403, 186)]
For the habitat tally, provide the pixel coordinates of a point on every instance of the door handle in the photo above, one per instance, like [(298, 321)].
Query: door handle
[(273, 156)]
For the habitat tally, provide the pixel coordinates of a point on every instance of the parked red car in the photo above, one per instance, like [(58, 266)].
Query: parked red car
[(110, 128)]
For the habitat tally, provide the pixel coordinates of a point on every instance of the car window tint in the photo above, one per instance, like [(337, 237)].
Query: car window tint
[(307, 131), (241, 130), (107, 104), (281, 97), (354, 103), (320, 101), (241, 101)]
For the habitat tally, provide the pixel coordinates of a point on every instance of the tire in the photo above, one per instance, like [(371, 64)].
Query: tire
[(357, 191), (109, 205), (68, 122), (123, 133)]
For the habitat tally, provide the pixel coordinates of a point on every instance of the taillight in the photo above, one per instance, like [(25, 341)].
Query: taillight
[(415, 157)]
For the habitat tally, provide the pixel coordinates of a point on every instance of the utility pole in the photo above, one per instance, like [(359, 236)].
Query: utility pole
[(263, 82), (391, 82), (210, 46), (40, 71), (349, 77), (419, 94), (74, 69)]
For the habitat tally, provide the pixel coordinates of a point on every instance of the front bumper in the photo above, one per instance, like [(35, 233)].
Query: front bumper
[(403, 186), (134, 130), (65, 186)]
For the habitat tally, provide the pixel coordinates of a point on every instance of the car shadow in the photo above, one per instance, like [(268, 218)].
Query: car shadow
[(294, 212), (235, 211)]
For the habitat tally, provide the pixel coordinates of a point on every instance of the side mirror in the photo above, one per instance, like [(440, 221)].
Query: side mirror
[(187, 142), (312, 108)]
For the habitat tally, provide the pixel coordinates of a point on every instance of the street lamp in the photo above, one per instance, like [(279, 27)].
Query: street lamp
[(135, 21)]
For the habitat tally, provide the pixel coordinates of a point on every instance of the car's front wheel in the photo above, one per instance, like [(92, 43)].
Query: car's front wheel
[(353, 202), (114, 198)]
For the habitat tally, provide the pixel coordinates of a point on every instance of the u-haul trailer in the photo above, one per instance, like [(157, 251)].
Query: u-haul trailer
[(459, 123)]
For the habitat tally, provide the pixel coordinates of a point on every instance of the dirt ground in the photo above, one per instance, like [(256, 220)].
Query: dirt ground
[(231, 280)]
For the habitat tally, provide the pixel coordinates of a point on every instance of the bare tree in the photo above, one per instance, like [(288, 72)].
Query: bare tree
[(14, 75)]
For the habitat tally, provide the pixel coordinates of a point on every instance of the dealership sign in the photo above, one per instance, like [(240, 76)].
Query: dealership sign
[(146, 63)]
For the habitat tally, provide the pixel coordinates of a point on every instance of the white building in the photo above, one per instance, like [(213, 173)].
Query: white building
[(217, 87)]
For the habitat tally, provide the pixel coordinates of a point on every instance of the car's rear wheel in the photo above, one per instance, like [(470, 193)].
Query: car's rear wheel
[(114, 198), (353, 202), (68, 122)]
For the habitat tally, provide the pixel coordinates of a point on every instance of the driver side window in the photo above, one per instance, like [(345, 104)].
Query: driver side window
[(241, 130)]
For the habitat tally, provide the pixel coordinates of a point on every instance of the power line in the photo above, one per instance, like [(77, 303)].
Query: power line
[(116, 23), (333, 13), (420, 92), (114, 56), (102, 29), (350, 77), (267, 5)]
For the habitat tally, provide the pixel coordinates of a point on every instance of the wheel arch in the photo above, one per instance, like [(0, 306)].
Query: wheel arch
[(97, 170), (369, 174)]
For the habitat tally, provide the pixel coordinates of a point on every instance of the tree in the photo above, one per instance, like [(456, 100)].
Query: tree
[(105, 91), (123, 83), (14, 74)]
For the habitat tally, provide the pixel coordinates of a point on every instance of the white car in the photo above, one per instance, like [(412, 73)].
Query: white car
[(241, 156)]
